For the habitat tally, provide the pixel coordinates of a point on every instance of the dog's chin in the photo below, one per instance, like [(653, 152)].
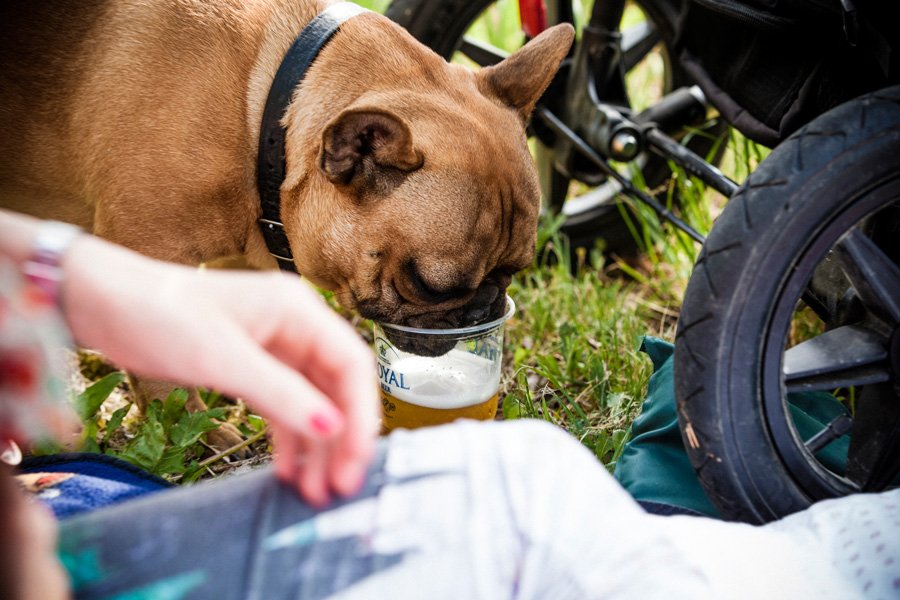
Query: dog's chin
[(431, 346), (438, 344)]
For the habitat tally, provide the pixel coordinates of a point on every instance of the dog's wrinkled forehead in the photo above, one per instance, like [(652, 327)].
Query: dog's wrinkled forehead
[(483, 154), (479, 185), (470, 204)]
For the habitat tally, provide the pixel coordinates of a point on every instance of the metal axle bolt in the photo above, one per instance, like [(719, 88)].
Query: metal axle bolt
[(624, 145)]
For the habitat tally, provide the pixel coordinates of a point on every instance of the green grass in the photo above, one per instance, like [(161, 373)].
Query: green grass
[(376, 5), (571, 354)]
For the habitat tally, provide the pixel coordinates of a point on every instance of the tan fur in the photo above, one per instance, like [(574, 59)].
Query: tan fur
[(139, 119)]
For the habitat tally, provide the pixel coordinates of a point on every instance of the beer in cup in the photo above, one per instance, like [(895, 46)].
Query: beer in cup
[(463, 382)]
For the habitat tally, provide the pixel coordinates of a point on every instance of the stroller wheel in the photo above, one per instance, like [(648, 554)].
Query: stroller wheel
[(787, 359)]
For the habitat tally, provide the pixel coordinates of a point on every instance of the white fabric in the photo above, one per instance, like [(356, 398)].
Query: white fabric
[(521, 510)]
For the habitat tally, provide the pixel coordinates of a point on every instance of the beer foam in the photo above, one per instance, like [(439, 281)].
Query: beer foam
[(458, 378)]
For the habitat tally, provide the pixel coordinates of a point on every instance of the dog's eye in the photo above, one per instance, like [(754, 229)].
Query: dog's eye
[(429, 293)]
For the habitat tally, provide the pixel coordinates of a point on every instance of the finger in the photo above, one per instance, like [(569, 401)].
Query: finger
[(287, 449), (346, 375), (314, 339), (314, 467), (319, 344), (343, 468), (347, 470), (312, 476), (353, 451), (353, 448), (279, 393), (350, 383), (356, 393), (300, 464)]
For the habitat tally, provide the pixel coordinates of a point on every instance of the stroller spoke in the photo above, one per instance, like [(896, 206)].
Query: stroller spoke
[(637, 42), (838, 426), (843, 357), (874, 276), (481, 53)]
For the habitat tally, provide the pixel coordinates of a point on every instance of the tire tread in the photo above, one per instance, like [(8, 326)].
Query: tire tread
[(761, 208)]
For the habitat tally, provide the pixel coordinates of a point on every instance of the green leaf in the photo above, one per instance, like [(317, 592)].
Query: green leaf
[(147, 447), (512, 408), (519, 357), (88, 402), (216, 413), (191, 426), (550, 369), (257, 422), (115, 421), (192, 473), (45, 447), (211, 398), (155, 408), (172, 461), (89, 438), (174, 407)]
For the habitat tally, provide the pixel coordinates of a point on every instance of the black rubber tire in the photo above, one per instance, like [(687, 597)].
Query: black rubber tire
[(440, 24), (844, 163)]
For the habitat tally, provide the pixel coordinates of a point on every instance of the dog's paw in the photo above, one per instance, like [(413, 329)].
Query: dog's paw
[(225, 437)]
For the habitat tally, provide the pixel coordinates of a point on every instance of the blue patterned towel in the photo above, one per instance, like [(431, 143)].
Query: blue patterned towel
[(77, 482)]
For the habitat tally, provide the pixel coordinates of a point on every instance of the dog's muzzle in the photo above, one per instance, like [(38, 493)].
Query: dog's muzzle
[(488, 304)]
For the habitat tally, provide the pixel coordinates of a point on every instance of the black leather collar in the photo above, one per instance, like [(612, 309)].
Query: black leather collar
[(270, 166)]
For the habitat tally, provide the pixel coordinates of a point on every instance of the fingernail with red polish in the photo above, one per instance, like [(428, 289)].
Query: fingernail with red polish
[(323, 423)]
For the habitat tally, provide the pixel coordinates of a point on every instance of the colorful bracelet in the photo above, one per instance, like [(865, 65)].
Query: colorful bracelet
[(43, 269)]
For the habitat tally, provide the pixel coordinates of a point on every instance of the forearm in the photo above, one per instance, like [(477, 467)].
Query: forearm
[(96, 276), (104, 289)]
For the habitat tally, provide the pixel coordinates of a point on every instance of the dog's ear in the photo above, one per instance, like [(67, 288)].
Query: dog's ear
[(521, 78), (363, 145)]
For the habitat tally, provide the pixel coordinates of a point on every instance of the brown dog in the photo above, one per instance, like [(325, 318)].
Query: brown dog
[(409, 187)]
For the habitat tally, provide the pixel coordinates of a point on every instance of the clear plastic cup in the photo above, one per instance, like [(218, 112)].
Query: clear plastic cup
[(463, 382)]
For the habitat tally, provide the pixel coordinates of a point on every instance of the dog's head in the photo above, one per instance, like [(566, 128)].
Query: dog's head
[(424, 198)]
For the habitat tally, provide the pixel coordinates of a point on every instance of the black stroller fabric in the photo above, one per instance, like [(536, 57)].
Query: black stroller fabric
[(769, 66)]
